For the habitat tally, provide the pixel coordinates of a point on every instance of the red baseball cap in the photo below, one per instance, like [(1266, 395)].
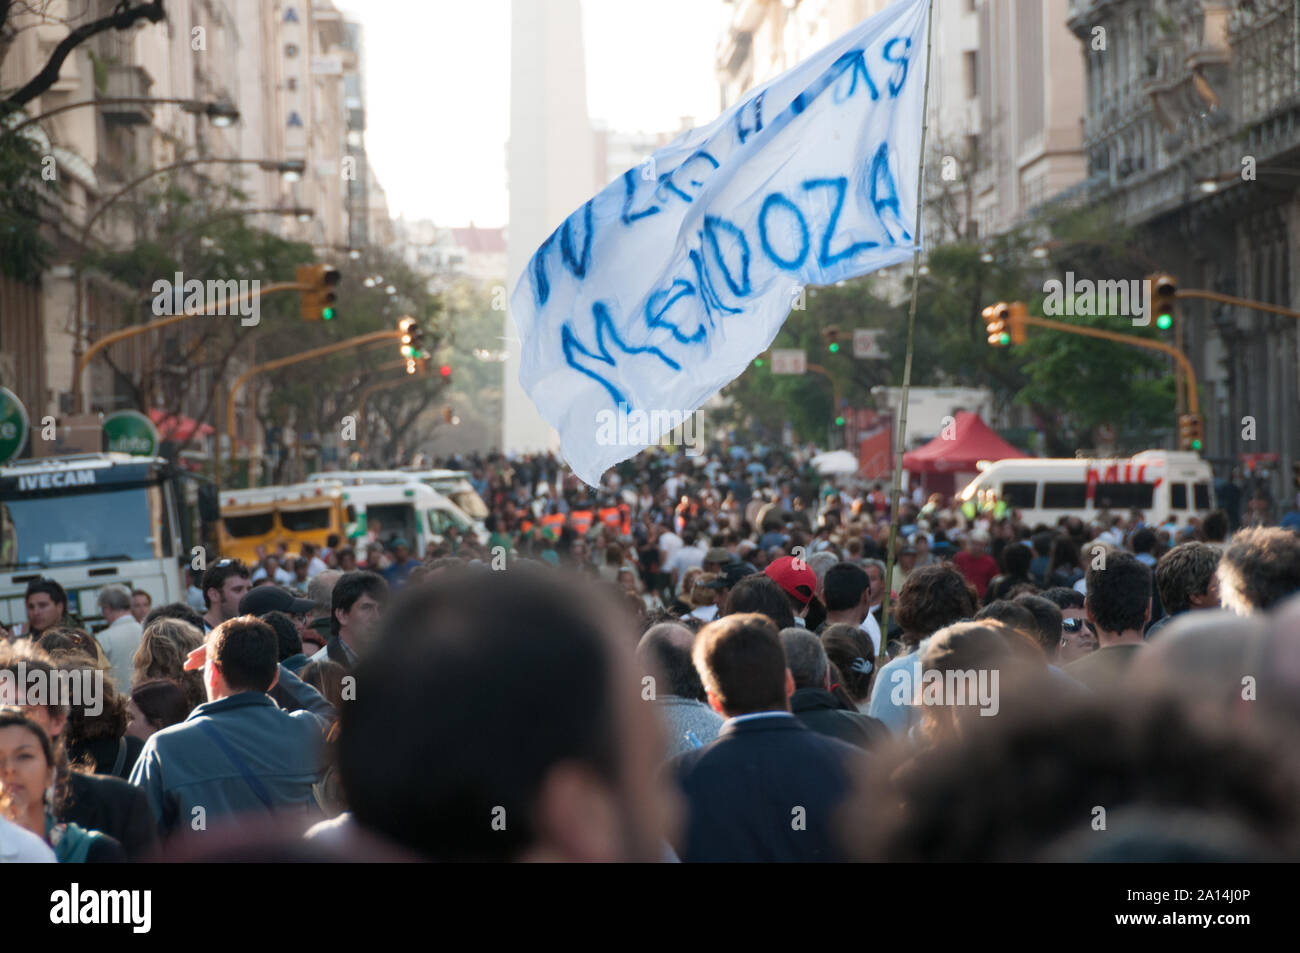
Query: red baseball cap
[(794, 576)]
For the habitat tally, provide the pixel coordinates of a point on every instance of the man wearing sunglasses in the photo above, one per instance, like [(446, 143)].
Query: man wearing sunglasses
[(224, 584), (1077, 638)]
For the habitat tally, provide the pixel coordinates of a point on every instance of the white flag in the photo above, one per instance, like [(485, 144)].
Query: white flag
[(663, 288)]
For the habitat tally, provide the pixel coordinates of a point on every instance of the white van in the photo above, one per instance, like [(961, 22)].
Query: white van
[(436, 480), (1160, 483), (411, 510)]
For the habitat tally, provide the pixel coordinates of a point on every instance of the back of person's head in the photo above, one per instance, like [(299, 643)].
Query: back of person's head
[(759, 593), (1186, 570), (1016, 559), (931, 598), (1259, 569), (1212, 657), (1047, 621), (106, 719), (1043, 771), (820, 563), (1042, 544), (665, 652), (320, 590), (742, 664), (844, 585), (350, 587), (115, 597), (1119, 592), (175, 610), (245, 650), (163, 648), (1012, 613), (850, 650), (536, 669), (1143, 540), (1214, 528), (1063, 597), (162, 702), (288, 641), (805, 657), (19, 663)]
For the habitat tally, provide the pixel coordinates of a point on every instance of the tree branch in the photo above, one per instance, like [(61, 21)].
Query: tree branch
[(122, 18)]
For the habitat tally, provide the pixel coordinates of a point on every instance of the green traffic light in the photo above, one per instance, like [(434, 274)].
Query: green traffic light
[(1196, 445), (1004, 339), (327, 314), (1164, 321), (834, 349), (758, 362), (839, 421)]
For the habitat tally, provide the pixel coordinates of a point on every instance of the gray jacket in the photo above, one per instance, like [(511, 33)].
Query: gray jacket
[(686, 715)]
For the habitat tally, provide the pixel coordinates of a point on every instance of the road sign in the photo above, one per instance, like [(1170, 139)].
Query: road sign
[(869, 343), (129, 431), (789, 361), (13, 425)]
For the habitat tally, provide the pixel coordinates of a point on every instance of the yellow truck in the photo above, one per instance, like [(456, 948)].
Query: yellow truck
[(264, 517)]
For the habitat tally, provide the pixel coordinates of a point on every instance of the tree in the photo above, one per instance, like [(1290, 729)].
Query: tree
[(124, 17)]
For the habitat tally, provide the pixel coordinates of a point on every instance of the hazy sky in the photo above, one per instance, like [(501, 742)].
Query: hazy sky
[(438, 90)]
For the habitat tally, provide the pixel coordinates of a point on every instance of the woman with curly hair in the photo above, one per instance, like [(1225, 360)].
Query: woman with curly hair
[(164, 646)]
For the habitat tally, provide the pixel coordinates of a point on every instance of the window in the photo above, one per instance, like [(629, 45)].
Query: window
[(255, 524), (1020, 495), (1064, 496), (1202, 494), (298, 521), (1124, 496), (970, 74), (1178, 496)]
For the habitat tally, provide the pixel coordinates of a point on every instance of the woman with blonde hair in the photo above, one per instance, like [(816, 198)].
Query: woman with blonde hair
[(164, 646)]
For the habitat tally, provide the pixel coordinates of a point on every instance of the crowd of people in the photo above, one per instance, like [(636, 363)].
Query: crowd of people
[(707, 659)]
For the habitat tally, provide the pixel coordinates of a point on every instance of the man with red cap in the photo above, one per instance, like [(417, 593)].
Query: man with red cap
[(799, 583)]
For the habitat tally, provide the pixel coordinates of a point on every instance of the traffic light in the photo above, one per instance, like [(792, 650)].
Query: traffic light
[(839, 421), (997, 321), (1016, 314), (412, 343), (1164, 299), (445, 371), (1191, 434), (831, 333), (759, 362), (317, 283)]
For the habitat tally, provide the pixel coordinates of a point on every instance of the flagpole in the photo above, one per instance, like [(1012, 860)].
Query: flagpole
[(907, 364)]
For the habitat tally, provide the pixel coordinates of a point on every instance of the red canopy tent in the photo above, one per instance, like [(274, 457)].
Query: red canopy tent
[(971, 442)]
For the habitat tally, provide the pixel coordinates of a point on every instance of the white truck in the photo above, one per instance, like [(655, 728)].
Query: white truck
[(88, 520)]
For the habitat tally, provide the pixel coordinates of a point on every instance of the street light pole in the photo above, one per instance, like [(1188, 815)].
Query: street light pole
[(222, 112)]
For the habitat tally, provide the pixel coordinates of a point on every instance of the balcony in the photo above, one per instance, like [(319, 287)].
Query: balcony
[(127, 82)]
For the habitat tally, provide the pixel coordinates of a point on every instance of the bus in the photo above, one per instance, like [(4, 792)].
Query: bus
[(88, 520), (264, 517), (1162, 484)]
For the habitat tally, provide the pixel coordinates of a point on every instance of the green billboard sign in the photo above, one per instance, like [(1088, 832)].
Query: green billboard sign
[(129, 431), (13, 425)]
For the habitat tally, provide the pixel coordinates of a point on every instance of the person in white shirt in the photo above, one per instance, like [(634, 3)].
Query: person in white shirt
[(20, 846), (686, 557), (122, 637), (271, 569)]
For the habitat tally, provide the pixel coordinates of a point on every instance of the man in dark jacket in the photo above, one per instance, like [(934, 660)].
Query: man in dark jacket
[(768, 788), (812, 702), (239, 752)]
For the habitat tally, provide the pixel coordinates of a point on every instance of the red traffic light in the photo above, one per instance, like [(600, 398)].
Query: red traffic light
[(445, 370)]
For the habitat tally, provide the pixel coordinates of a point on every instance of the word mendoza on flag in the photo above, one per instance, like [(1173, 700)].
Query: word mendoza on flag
[(661, 289)]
